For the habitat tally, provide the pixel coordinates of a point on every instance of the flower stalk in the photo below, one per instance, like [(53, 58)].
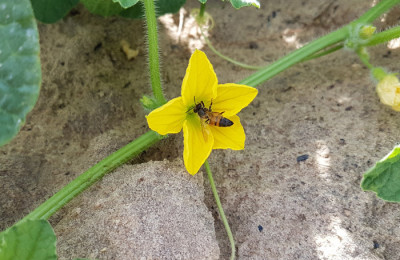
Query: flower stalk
[(221, 210)]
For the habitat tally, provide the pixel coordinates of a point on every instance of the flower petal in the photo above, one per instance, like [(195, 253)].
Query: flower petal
[(231, 98), (232, 137), (389, 90), (200, 81), (198, 143), (168, 119)]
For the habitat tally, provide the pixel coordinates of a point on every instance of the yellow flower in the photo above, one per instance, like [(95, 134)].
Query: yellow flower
[(200, 136), (389, 91)]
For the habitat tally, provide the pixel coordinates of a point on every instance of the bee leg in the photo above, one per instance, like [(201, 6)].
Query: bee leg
[(209, 108)]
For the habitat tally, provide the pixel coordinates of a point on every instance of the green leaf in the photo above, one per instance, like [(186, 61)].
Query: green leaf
[(50, 11), (20, 74), (102, 7), (126, 3), (162, 7), (31, 239), (384, 177), (240, 3), (203, 1)]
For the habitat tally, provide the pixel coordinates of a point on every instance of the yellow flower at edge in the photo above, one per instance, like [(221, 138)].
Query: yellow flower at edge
[(388, 90), (200, 84)]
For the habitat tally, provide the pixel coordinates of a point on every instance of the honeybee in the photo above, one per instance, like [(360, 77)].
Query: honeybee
[(209, 117)]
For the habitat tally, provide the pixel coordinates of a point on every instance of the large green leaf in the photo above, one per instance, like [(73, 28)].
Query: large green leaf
[(126, 3), (31, 239), (384, 177), (102, 7), (162, 7), (50, 11), (20, 73)]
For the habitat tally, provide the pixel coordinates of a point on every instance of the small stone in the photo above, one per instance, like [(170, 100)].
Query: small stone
[(302, 158)]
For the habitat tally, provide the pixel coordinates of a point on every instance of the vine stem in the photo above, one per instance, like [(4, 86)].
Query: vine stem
[(238, 63), (154, 60), (221, 210), (85, 180), (384, 36), (310, 49)]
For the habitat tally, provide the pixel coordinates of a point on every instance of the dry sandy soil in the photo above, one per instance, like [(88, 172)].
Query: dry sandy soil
[(151, 208)]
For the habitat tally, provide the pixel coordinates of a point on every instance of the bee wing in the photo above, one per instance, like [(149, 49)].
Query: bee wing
[(205, 130)]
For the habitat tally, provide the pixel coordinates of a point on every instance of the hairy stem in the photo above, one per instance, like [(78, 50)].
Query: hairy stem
[(85, 180), (221, 210), (384, 36), (310, 49), (154, 61)]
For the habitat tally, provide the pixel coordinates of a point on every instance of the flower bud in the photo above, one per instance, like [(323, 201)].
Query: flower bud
[(367, 31), (148, 103)]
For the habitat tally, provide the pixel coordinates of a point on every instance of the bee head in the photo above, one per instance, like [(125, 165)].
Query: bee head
[(198, 107)]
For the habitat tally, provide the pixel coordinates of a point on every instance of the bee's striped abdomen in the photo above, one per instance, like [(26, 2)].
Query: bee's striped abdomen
[(220, 121), (225, 122)]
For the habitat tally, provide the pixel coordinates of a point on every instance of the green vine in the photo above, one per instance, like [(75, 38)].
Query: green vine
[(84, 181), (154, 61)]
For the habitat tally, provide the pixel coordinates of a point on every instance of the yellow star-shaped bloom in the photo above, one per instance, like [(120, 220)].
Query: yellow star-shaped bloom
[(200, 136)]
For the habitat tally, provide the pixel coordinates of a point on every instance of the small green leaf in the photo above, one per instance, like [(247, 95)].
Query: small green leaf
[(31, 239), (384, 177), (162, 7), (102, 7), (241, 3), (50, 11), (203, 1), (20, 73), (126, 3)]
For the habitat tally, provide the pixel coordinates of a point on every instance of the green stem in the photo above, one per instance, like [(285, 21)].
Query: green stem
[(154, 62), (384, 36), (243, 65), (295, 57), (376, 11), (85, 180), (323, 53), (221, 210), (364, 57), (202, 9), (317, 45)]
